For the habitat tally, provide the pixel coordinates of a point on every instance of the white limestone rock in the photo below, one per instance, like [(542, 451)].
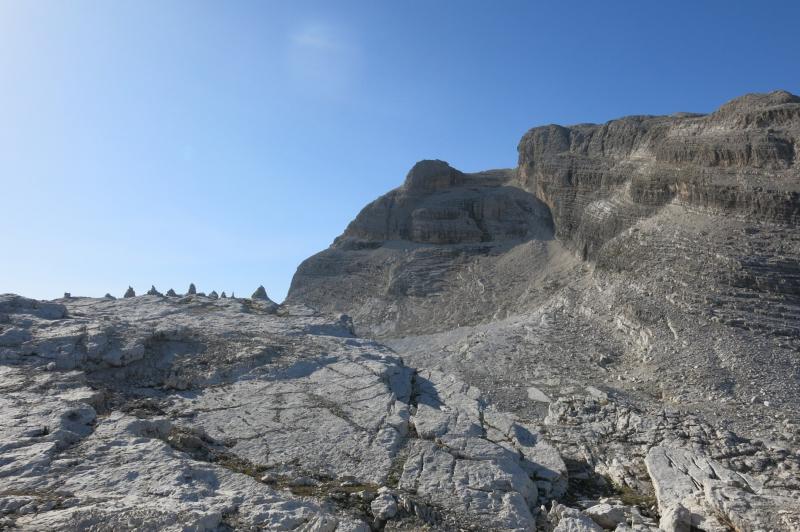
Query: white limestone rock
[(535, 394), (568, 519), (463, 461), (384, 506), (696, 491), (318, 412), (167, 413), (606, 515)]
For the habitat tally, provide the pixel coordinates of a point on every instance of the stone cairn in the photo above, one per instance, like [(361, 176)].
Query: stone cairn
[(260, 293)]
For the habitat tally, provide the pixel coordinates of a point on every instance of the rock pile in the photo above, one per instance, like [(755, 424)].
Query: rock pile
[(153, 292), (260, 293)]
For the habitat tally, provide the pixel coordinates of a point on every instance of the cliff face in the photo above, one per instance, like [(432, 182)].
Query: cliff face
[(601, 179)]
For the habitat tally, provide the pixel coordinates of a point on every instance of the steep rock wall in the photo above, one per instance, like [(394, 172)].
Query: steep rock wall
[(601, 179)]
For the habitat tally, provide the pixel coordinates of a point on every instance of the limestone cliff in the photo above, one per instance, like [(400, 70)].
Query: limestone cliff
[(601, 179)]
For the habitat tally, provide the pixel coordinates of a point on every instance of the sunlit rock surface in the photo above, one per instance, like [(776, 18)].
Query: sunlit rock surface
[(164, 413)]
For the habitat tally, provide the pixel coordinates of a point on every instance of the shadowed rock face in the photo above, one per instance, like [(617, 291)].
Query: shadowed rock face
[(437, 204), (431, 176), (601, 179)]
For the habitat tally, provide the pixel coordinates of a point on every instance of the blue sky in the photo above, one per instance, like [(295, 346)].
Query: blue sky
[(163, 142)]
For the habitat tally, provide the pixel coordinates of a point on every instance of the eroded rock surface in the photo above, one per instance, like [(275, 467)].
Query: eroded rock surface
[(164, 413), (646, 296), (601, 179)]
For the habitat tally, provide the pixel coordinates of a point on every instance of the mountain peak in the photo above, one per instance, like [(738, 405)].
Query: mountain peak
[(430, 175)]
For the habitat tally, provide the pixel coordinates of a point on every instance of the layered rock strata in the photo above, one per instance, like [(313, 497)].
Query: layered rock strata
[(651, 301)]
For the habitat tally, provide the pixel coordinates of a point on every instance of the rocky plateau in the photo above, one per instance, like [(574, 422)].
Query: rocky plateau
[(605, 337)]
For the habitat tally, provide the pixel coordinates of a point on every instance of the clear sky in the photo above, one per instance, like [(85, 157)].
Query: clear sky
[(163, 141)]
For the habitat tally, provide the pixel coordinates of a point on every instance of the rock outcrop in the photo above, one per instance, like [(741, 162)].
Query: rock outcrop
[(599, 180), (695, 491), (163, 413), (632, 285)]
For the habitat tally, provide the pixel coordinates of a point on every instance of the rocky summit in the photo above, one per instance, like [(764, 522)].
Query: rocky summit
[(606, 337)]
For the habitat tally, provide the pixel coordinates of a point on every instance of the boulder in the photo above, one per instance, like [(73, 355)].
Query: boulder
[(567, 519), (535, 394), (384, 506), (606, 515)]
